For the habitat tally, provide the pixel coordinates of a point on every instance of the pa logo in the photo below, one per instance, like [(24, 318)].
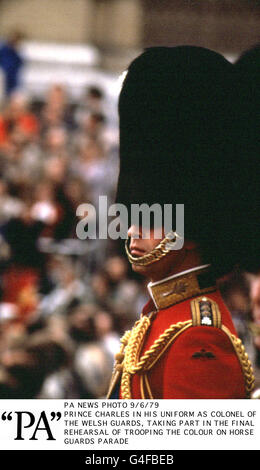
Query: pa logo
[(28, 423)]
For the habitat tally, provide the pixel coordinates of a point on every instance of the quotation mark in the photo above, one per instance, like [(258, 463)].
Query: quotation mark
[(9, 416), (57, 415)]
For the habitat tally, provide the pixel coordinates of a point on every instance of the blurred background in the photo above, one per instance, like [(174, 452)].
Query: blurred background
[(65, 303)]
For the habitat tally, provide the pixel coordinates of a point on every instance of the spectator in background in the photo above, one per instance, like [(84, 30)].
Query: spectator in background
[(17, 119), (56, 110), (28, 361), (25, 269), (91, 330), (11, 61), (56, 143), (92, 102), (95, 99), (67, 286), (255, 325), (107, 332), (235, 291), (10, 206), (92, 165), (94, 117)]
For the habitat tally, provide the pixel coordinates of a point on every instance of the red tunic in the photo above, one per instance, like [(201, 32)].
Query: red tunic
[(200, 363)]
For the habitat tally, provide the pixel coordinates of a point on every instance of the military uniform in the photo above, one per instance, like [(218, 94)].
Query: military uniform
[(176, 132), (184, 346)]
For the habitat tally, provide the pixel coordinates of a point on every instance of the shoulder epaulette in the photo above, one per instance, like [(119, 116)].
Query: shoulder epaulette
[(205, 312)]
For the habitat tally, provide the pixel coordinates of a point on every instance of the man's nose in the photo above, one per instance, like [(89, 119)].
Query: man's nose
[(134, 232)]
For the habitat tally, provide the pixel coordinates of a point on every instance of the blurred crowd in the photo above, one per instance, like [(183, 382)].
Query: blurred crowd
[(65, 302)]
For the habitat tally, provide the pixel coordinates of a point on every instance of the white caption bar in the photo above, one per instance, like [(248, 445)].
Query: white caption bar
[(130, 424)]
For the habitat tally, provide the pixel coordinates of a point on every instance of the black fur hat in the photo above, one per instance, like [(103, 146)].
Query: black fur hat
[(176, 132), (247, 102)]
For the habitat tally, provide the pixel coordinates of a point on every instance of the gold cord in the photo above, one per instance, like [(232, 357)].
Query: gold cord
[(243, 359), (148, 387), (131, 363), (133, 342), (161, 250)]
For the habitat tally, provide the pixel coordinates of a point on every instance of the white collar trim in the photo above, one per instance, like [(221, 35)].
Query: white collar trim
[(174, 276)]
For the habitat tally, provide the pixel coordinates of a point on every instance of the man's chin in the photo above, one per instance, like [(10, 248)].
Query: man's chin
[(137, 268)]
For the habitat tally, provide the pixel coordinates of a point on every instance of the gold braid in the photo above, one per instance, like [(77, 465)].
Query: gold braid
[(243, 359), (133, 340), (161, 250), (132, 350)]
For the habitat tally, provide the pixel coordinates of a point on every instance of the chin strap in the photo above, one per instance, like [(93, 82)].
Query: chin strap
[(161, 250)]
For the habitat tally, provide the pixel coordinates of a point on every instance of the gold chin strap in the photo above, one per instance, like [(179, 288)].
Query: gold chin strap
[(161, 250)]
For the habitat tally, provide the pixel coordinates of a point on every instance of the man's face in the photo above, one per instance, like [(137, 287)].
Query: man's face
[(142, 241), (143, 245)]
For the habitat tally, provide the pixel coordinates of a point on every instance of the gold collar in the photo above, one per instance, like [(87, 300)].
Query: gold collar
[(179, 287)]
